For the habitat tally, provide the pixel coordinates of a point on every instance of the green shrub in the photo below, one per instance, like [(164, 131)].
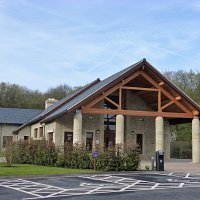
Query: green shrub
[(75, 157), (21, 152), (118, 158), (131, 158), (40, 152), (37, 152)]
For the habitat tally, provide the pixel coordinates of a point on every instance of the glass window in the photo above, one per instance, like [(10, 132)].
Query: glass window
[(89, 140), (50, 137), (68, 137), (41, 132), (35, 133), (139, 141), (26, 138)]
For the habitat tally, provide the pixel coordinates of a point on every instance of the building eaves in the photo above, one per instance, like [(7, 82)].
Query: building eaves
[(174, 87), (94, 91), (57, 105)]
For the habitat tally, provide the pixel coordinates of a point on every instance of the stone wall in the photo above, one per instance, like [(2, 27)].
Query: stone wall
[(144, 126), (6, 130), (26, 131)]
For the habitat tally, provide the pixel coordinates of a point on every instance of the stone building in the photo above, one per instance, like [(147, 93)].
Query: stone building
[(134, 106), (12, 118)]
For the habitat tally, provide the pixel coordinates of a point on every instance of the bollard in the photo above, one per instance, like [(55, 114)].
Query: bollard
[(152, 163)]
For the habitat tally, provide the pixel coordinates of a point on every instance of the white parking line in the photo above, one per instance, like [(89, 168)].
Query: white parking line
[(181, 185), (187, 175), (155, 186), (125, 188), (110, 184)]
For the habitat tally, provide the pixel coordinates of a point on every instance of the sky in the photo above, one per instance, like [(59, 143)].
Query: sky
[(44, 43)]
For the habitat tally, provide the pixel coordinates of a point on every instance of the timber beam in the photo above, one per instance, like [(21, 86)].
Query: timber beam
[(136, 113)]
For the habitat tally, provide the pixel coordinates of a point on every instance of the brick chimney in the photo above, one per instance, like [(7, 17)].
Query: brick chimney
[(50, 102)]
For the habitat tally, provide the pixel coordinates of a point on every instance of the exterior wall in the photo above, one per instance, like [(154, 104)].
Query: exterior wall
[(62, 125), (91, 123), (50, 128), (144, 126), (26, 131), (7, 130), (33, 127)]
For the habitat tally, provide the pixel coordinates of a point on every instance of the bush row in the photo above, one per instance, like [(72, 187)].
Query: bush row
[(113, 158), (37, 152)]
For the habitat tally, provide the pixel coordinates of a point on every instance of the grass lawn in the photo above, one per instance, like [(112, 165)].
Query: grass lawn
[(24, 169)]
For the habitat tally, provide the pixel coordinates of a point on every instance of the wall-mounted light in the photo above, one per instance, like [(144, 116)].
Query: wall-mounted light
[(132, 132), (97, 131)]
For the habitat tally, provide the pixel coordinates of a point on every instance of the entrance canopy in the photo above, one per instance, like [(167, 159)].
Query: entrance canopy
[(141, 78)]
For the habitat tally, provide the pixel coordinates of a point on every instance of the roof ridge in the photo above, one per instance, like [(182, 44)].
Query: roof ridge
[(116, 75)]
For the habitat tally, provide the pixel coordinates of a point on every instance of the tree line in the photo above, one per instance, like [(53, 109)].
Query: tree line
[(16, 96)]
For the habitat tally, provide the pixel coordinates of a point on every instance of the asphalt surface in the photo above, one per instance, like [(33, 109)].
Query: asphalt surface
[(120, 186)]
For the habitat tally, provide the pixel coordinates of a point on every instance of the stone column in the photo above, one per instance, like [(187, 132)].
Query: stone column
[(195, 140), (77, 129), (159, 133), (119, 129)]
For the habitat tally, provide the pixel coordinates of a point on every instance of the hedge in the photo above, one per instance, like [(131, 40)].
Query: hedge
[(113, 158)]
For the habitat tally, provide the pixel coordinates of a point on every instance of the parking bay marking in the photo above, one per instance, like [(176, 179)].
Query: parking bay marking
[(114, 184)]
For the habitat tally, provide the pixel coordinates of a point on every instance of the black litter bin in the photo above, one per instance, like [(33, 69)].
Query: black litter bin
[(160, 160)]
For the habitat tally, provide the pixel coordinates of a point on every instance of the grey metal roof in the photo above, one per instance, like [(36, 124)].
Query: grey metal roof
[(17, 115), (59, 103), (89, 92)]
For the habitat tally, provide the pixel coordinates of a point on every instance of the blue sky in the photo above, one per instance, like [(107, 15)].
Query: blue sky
[(44, 43)]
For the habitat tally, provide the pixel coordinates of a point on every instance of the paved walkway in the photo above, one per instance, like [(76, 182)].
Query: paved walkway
[(177, 165)]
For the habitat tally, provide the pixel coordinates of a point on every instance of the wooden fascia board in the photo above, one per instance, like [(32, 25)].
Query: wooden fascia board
[(165, 92), (175, 88), (136, 113), (113, 89)]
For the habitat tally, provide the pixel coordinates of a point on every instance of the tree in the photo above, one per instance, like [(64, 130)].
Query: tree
[(189, 83)]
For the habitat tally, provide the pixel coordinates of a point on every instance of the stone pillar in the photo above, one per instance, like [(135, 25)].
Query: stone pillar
[(159, 133), (195, 140), (77, 129), (119, 129)]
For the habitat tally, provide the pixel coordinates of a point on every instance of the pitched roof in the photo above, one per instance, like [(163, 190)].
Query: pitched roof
[(17, 116), (56, 105), (109, 82), (60, 103), (97, 87), (94, 90)]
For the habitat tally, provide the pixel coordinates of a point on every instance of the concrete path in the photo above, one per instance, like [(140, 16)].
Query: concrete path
[(177, 165)]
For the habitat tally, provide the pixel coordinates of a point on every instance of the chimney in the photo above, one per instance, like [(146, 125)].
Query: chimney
[(50, 102)]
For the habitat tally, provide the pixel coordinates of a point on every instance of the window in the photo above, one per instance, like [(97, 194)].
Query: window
[(139, 141), (51, 138), (89, 140), (35, 133), (26, 138), (41, 132), (68, 137), (7, 140)]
